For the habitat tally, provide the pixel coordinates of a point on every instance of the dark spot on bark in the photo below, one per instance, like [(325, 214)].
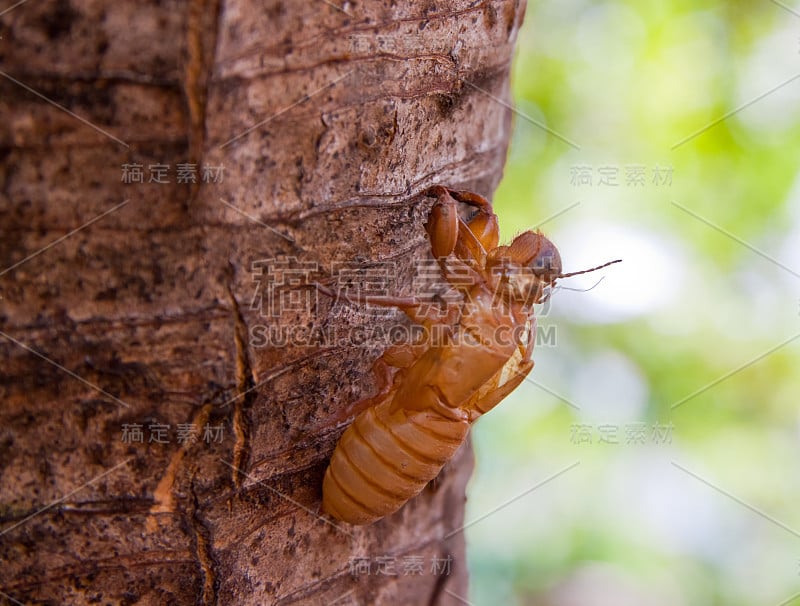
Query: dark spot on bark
[(430, 8), (367, 138), (491, 15), (485, 79), (276, 10), (513, 13), (109, 294), (6, 444), (448, 103), (58, 23), (158, 274), (96, 454)]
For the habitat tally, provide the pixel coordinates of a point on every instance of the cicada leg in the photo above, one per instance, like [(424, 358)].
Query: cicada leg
[(494, 397), (449, 233), (460, 246), (389, 368), (484, 401), (483, 224), (425, 312), (388, 372), (443, 222)]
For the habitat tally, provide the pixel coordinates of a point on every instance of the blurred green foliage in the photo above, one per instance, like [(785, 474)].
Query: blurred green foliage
[(675, 382)]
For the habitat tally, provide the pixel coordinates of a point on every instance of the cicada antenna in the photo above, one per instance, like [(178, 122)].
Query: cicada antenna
[(580, 289), (586, 271)]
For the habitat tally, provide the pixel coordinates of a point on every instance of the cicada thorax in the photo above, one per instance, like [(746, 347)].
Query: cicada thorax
[(385, 458)]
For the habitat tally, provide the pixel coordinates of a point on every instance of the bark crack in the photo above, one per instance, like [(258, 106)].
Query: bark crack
[(204, 552), (245, 382), (438, 588), (163, 496), (201, 42)]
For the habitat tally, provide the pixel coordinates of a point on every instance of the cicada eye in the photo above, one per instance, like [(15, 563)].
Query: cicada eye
[(547, 262)]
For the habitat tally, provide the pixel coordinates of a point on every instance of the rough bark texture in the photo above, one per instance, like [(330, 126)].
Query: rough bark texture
[(150, 314)]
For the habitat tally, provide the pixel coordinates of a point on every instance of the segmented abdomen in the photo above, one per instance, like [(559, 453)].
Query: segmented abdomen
[(383, 459)]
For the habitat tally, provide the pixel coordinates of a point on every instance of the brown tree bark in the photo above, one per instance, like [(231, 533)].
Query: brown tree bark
[(127, 305)]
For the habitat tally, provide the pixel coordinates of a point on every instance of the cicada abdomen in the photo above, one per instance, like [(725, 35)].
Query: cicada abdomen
[(385, 458)]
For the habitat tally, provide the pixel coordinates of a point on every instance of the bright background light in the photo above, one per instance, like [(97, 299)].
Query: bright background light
[(692, 302)]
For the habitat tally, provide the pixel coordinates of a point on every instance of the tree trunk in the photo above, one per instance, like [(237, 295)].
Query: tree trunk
[(160, 443)]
